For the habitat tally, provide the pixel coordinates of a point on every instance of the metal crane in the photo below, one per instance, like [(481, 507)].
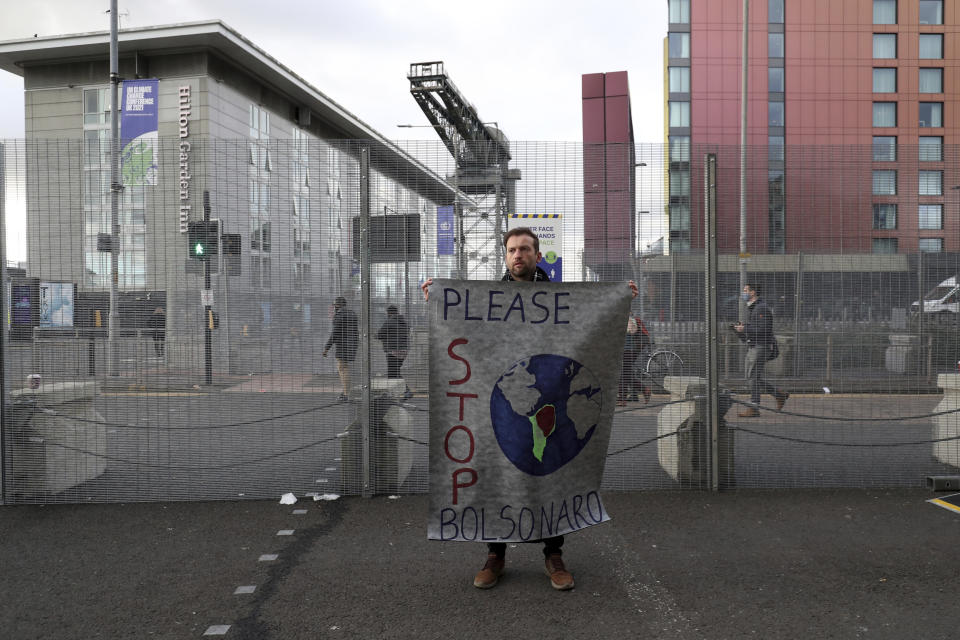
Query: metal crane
[(482, 156)]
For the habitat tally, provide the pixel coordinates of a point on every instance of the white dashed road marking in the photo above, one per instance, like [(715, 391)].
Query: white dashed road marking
[(217, 630)]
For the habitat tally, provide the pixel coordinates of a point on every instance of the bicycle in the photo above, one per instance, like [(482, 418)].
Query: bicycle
[(657, 365)]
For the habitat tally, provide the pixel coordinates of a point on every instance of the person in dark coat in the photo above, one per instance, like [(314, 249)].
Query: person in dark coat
[(757, 332), (346, 337), (394, 334), (157, 323)]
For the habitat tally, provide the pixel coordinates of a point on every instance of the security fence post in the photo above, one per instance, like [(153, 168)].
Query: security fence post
[(365, 405), (710, 296)]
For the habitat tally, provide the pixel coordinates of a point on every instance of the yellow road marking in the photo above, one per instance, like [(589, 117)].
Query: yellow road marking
[(945, 504)]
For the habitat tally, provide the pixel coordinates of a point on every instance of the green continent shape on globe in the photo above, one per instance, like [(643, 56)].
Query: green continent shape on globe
[(544, 421)]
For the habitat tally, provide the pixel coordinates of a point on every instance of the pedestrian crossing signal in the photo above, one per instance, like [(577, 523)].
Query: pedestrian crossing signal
[(202, 239)]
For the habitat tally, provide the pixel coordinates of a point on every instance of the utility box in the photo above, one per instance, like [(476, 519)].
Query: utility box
[(57, 439), (391, 455), (947, 425), (686, 456)]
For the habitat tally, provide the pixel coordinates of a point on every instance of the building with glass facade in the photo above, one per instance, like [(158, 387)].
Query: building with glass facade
[(851, 118)]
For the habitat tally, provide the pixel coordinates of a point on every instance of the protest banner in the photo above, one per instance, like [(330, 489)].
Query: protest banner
[(523, 385)]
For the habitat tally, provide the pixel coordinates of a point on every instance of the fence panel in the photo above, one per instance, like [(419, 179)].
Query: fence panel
[(151, 412)]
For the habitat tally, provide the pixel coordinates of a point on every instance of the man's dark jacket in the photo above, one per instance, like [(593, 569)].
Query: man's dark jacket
[(345, 335), (394, 334), (759, 326)]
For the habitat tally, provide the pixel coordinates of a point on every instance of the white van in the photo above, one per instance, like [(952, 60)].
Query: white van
[(942, 302)]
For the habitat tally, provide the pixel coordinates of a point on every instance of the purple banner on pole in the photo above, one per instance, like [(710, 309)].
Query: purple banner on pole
[(445, 231), (139, 117)]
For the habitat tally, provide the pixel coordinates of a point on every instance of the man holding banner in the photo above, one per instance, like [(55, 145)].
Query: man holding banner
[(523, 389)]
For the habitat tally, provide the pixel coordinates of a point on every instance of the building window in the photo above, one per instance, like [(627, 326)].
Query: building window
[(96, 106), (301, 159), (679, 45), (884, 114), (679, 114), (679, 217), (884, 11), (775, 189), (775, 79), (930, 216), (775, 113), (930, 245), (95, 201), (679, 148), (931, 149), (884, 216), (884, 245), (931, 81), (931, 46), (775, 11), (679, 183), (931, 114), (930, 12), (259, 122), (931, 183), (884, 148), (679, 11), (885, 80), (679, 79), (884, 182), (775, 148), (884, 45), (775, 45)]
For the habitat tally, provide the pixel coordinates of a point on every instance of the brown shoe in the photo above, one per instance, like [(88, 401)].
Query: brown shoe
[(782, 399), (488, 576), (750, 413), (560, 578)]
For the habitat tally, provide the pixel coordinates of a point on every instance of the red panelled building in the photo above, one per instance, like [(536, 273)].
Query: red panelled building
[(609, 190), (852, 124)]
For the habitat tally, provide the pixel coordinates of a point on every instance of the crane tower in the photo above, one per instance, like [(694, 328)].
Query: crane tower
[(481, 153)]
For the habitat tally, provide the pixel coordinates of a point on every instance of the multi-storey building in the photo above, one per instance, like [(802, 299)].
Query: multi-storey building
[(278, 159), (851, 120)]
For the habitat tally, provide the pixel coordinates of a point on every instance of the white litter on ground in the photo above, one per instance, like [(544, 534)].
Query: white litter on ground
[(393, 497), (288, 498), (826, 390), (326, 496)]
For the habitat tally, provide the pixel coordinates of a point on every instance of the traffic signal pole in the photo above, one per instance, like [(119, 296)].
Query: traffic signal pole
[(207, 309)]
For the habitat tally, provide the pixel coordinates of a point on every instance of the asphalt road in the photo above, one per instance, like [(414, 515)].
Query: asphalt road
[(877, 564)]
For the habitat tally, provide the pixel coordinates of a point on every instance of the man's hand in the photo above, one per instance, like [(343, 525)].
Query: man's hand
[(426, 288), (633, 288)]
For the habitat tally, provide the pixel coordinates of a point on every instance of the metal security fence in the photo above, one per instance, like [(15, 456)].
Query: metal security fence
[(218, 379)]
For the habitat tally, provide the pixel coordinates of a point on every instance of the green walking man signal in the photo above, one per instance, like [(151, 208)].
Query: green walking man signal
[(202, 239)]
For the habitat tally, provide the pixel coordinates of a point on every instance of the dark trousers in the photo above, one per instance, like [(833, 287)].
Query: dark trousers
[(550, 546), (393, 366)]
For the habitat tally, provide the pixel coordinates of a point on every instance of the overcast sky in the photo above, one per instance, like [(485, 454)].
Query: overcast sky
[(518, 61)]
